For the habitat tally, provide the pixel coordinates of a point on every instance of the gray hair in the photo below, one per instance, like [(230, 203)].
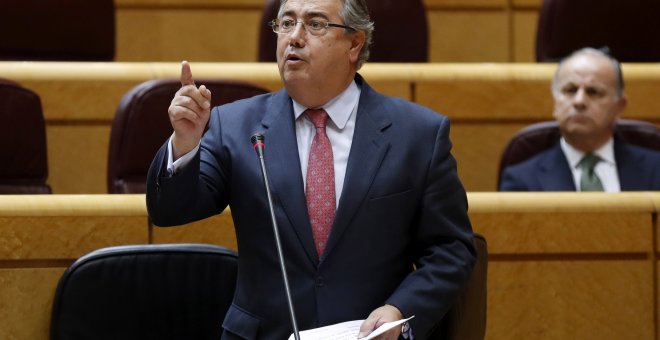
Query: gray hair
[(355, 14), (604, 53)]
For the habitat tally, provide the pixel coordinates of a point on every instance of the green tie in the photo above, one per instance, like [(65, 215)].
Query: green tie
[(589, 180)]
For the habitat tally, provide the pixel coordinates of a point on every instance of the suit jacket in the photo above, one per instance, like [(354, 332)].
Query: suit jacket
[(402, 208), (638, 169)]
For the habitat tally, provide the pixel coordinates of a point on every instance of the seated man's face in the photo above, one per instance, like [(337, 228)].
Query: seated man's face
[(586, 99)]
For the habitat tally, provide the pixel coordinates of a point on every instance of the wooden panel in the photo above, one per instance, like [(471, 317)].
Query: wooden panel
[(145, 28), (468, 36), (570, 299), (478, 161), (489, 92), (487, 104), (527, 3), (27, 299), (568, 223), (465, 4), (218, 230), (524, 36), (52, 227), (66, 237), (562, 265), (120, 4), (520, 233), (561, 202), (78, 158), (182, 34)]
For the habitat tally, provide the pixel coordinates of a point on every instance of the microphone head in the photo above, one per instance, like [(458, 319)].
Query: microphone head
[(257, 138), (258, 143)]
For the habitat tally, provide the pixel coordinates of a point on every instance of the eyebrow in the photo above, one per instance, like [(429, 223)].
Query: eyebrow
[(307, 15)]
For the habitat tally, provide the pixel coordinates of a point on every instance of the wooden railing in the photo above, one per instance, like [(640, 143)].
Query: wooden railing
[(487, 104), (561, 265)]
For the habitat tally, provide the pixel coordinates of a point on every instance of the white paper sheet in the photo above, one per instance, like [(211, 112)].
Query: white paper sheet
[(346, 331)]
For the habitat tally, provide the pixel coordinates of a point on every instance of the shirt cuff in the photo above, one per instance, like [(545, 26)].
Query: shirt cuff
[(173, 166)]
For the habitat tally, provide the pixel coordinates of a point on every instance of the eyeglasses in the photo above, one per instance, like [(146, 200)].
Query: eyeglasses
[(316, 27)]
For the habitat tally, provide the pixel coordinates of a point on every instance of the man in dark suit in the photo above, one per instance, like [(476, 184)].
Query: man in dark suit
[(394, 240), (588, 97)]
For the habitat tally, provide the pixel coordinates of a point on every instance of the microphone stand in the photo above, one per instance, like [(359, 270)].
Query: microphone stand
[(259, 146)]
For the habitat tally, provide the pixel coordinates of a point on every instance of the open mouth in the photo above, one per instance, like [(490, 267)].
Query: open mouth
[(293, 57)]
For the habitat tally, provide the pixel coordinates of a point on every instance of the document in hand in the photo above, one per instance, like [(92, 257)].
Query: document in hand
[(346, 331)]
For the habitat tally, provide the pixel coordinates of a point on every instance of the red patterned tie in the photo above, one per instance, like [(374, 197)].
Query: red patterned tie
[(320, 190)]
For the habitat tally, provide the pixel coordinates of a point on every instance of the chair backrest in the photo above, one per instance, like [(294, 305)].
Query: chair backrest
[(80, 30), (630, 28), (164, 291), (466, 320), (401, 31), (24, 154), (538, 137), (141, 125)]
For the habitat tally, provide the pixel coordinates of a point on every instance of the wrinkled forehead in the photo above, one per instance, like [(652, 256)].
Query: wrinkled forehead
[(327, 9), (588, 69)]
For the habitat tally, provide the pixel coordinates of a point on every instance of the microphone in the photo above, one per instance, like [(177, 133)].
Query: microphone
[(259, 146)]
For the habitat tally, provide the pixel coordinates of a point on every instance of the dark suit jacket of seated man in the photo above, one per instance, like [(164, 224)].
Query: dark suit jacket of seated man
[(401, 241), (588, 99)]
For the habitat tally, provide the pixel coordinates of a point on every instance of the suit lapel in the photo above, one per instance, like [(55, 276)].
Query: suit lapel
[(555, 174), (284, 168), (628, 167), (368, 149)]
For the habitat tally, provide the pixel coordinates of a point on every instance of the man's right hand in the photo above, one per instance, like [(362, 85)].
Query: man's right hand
[(189, 113)]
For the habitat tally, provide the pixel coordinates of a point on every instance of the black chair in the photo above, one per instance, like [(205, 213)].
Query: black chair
[(466, 320), (24, 153), (538, 137), (401, 31), (630, 28), (164, 291), (141, 125), (65, 30)]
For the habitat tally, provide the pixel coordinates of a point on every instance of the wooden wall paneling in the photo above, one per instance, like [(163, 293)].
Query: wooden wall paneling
[(568, 266), (218, 229), (487, 103), (524, 35), (27, 299), (570, 298), (206, 34), (561, 265), (468, 36), (172, 30), (477, 148), (78, 157), (40, 235)]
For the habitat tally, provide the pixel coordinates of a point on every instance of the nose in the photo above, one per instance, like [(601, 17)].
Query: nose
[(580, 98), (297, 36)]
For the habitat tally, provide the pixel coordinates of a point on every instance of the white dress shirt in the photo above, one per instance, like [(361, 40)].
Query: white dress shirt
[(342, 111), (605, 169)]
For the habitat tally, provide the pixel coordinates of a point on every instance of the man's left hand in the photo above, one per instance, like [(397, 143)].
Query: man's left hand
[(378, 317)]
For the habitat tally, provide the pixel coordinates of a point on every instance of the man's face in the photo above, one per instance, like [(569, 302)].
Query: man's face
[(316, 63), (586, 101)]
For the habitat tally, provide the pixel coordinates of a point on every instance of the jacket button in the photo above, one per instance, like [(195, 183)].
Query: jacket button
[(319, 281)]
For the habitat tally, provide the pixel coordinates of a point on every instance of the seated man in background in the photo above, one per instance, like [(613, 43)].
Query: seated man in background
[(588, 98)]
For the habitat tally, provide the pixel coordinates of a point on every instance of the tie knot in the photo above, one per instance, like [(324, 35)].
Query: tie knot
[(318, 117), (589, 161)]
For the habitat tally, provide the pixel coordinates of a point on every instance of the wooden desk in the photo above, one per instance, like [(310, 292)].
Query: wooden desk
[(487, 104), (561, 265)]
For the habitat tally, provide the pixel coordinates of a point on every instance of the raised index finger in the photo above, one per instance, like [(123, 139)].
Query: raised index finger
[(186, 74)]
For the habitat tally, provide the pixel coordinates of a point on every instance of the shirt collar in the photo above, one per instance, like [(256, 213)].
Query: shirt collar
[(574, 156), (339, 108)]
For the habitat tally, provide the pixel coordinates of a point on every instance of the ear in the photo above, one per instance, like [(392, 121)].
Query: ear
[(357, 42), (622, 103)]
